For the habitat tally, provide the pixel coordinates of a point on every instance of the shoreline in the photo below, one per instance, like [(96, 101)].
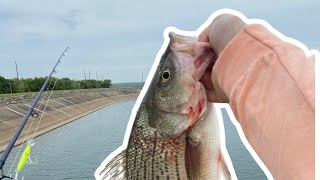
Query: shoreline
[(50, 127)]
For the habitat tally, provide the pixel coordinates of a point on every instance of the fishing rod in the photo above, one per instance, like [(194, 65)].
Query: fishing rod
[(15, 137)]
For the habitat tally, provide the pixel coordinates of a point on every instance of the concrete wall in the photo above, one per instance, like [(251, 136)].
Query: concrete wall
[(56, 94), (62, 108)]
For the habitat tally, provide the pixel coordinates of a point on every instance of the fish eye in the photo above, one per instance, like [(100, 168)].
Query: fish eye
[(166, 75)]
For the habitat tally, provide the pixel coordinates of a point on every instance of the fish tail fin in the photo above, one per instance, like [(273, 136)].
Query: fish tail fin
[(115, 168)]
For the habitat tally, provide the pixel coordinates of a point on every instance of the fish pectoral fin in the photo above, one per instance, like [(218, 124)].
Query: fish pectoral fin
[(224, 170), (115, 168)]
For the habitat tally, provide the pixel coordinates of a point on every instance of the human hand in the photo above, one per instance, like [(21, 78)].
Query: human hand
[(219, 33), (272, 85)]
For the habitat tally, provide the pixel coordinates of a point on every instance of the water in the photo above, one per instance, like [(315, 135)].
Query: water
[(75, 150), (244, 164)]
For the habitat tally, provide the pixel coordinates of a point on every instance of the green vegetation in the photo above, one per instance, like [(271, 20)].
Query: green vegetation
[(34, 84)]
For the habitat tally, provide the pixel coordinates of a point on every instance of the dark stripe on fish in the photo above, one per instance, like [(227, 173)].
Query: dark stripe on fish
[(135, 160), (177, 168), (165, 162), (153, 152), (145, 170)]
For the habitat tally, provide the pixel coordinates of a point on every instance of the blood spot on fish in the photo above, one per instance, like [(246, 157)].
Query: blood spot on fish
[(200, 106), (195, 112), (190, 111), (170, 157)]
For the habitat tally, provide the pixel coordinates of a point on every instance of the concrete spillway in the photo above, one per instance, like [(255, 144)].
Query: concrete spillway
[(62, 108)]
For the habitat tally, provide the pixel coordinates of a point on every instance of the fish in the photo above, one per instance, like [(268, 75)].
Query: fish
[(175, 133)]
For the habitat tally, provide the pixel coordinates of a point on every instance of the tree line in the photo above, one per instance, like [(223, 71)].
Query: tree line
[(15, 85)]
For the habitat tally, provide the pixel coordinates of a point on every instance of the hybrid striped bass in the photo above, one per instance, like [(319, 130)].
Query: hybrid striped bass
[(175, 134)]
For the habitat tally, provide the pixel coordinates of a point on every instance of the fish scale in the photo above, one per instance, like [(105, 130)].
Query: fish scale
[(175, 133), (151, 156)]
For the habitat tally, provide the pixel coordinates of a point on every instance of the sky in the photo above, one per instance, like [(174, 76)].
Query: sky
[(119, 39)]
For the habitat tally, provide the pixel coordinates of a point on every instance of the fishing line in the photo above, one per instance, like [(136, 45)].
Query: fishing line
[(20, 147), (44, 95), (25, 137), (110, 95), (44, 108), (60, 111), (25, 155), (45, 113)]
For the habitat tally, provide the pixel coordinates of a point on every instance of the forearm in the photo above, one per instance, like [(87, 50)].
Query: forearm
[(270, 87)]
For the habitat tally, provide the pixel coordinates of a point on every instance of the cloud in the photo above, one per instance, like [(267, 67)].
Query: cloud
[(72, 18), (104, 34)]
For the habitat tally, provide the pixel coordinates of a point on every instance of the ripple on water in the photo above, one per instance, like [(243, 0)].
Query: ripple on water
[(75, 150)]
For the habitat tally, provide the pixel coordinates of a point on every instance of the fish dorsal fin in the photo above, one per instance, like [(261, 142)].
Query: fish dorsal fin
[(115, 168)]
